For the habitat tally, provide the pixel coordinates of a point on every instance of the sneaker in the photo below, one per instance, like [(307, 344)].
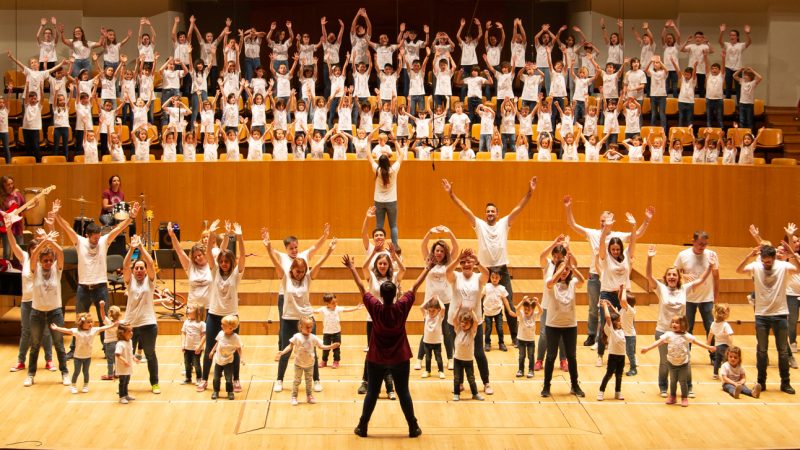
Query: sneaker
[(237, 386), (599, 362), (737, 391), (691, 393), (214, 395), (123, 400), (631, 373), (564, 366), (418, 365), (277, 386), (530, 374), (441, 375), (478, 397), (663, 394), (156, 389), (392, 396), (69, 355), (65, 380), (107, 377), (363, 388), (50, 366), (589, 341), (187, 381), (519, 374), (335, 365), (311, 399), (361, 431), (130, 398), (787, 388), (577, 391), (449, 364), (618, 396), (414, 432), (538, 365), (85, 389), (545, 392), (487, 389), (143, 358), (317, 386), (684, 402), (139, 357), (757, 391), (792, 362), (671, 400), (600, 396), (17, 367), (201, 385), (456, 397), (503, 347), (793, 347), (366, 349), (294, 401), (593, 347), (28, 381), (231, 396), (73, 389), (323, 364), (426, 374), (715, 377)]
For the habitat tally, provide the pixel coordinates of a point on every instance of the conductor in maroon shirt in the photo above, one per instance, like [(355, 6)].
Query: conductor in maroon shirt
[(388, 346)]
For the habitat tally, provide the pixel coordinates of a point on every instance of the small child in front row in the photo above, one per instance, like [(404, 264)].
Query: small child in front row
[(613, 331), (464, 353), (84, 333), (193, 333), (677, 342), (495, 300), (304, 342), (432, 335), (110, 336), (722, 333), (733, 376), (528, 312), (228, 343), (124, 359), (627, 316), (332, 327)]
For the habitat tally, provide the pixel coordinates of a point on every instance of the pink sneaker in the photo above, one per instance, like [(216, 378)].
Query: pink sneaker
[(564, 366), (202, 386), (684, 401), (237, 386), (671, 400), (323, 364), (538, 366), (311, 399), (335, 364)]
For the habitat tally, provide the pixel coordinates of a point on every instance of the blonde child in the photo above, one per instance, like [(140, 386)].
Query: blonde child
[(729, 152), (678, 341), (193, 334), (110, 336), (522, 148), (84, 333), (634, 147), (495, 299), (733, 375), (432, 336), (721, 333), (592, 146), (496, 146), (612, 330), (141, 144), (466, 327), (528, 312), (90, 146), (627, 316), (232, 143), (123, 356), (676, 152), (332, 327), (545, 147), (228, 343), (657, 150), (569, 148), (305, 343)]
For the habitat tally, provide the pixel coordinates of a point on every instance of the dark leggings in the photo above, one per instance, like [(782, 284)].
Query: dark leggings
[(213, 327), (123, 385), (387, 376), (399, 372), (570, 337), (436, 350), (616, 364), (460, 369), (447, 334), (526, 348)]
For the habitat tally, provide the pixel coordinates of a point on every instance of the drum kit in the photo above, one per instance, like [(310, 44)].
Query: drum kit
[(81, 222)]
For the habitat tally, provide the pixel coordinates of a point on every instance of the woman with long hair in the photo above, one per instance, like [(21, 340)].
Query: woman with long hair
[(386, 190)]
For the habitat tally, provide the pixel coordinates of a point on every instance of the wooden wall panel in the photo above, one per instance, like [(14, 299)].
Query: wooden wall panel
[(298, 197)]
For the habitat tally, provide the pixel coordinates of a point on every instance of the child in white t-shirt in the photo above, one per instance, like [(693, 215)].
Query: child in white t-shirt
[(721, 333), (228, 343), (612, 330), (84, 334), (729, 152), (332, 327), (123, 358), (304, 344), (733, 376), (193, 333), (528, 312), (495, 299), (432, 335), (627, 316), (110, 336), (466, 326)]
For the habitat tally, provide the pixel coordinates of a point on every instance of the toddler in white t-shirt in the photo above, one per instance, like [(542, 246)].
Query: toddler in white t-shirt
[(332, 327), (433, 336), (733, 376), (722, 334), (304, 344)]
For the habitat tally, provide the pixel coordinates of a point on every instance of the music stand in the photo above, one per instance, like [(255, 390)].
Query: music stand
[(166, 259)]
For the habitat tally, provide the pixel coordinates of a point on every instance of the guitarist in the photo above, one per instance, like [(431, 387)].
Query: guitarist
[(10, 199)]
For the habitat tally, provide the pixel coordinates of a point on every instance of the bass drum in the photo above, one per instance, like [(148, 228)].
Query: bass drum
[(34, 216), (121, 211)]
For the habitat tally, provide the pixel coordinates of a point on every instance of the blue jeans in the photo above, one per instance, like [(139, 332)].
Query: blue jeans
[(287, 330), (498, 324), (793, 301), (81, 64), (85, 298), (197, 104), (61, 141), (25, 337), (672, 83), (580, 111), (630, 350), (213, 327), (658, 112), (40, 320), (333, 112), (593, 291), (706, 314), (146, 336), (124, 380), (613, 298), (719, 357), (730, 389), (546, 81), (250, 65), (382, 209), (109, 349), (81, 365), (663, 364), (472, 105), (714, 113), (685, 112), (508, 142), (526, 348), (400, 373), (543, 339), (746, 116), (416, 103), (484, 142), (731, 85), (780, 328)]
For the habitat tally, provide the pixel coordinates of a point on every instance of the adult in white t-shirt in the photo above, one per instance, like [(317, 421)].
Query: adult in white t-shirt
[(196, 267), (593, 236), (92, 268), (386, 190), (733, 49), (691, 263), (492, 235), (770, 278), (140, 277)]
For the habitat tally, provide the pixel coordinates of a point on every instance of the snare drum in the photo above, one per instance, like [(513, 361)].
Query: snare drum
[(80, 224), (121, 211)]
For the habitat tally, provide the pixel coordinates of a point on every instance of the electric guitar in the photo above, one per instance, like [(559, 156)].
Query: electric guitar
[(18, 210)]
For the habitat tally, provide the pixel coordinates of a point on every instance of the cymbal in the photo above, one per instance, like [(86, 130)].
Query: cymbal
[(80, 200)]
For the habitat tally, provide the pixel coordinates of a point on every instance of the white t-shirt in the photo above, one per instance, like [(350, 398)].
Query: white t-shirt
[(526, 326), (531, 86), (296, 298), (193, 331), (227, 344), (466, 296), (678, 347), (123, 351), (468, 55), (330, 319), (748, 90), (593, 236), (443, 79), (504, 85), (225, 293), (714, 85), (730, 372), (627, 316), (658, 83), (616, 340), (436, 284), (464, 344), (686, 92), (305, 349), (139, 309), (92, 261), (83, 341), (561, 311), (610, 89), (386, 193), (46, 289), (770, 287), (493, 299), (110, 335), (733, 55), (492, 242), (432, 332), (690, 263), (672, 302), (696, 55), (615, 273), (670, 53), (722, 332)]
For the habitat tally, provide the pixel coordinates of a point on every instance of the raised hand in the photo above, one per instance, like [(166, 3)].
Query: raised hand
[(371, 211), (713, 261), (43, 21), (170, 231), (228, 227), (332, 245), (347, 261), (265, 237), (532, 184), (651, 251), (790, 229), (753, 230), (135, 210), (136, 241), (237, 229), (448, 187), (630, 219)]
